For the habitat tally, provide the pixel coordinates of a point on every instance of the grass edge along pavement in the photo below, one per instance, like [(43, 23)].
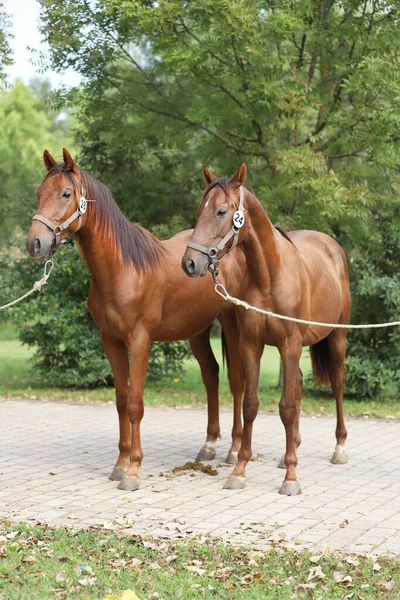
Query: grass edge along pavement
[(187, 390), (38, 562)]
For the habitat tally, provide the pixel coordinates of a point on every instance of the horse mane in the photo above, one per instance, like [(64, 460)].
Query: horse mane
[(135, 244), (224, 183)]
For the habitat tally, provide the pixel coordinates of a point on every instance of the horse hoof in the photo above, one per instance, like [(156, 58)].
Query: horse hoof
[(339, 457), (117, 473), (206, 453), (235, 482), (290, 488), (232, 458), (129, 484), (281, 464)]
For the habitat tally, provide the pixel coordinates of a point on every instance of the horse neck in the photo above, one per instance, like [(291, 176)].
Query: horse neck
[(260, 244), (103, 254)]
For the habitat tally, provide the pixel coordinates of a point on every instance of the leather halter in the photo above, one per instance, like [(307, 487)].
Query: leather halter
[(58, 229), (238, 222)]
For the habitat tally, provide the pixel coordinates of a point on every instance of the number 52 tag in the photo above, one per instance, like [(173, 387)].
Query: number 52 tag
[(238, 219)]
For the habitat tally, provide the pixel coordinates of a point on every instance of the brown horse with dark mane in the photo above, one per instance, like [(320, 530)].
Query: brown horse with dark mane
[(138, 294), (303, 275)]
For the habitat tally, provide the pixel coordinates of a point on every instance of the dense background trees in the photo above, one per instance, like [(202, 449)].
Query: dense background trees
[(306, 92)]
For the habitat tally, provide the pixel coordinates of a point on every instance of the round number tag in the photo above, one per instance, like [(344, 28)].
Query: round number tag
[(82, 205), (238, 219)]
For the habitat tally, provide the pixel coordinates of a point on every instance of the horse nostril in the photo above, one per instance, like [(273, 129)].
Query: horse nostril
[(36, 246), (190, 266)]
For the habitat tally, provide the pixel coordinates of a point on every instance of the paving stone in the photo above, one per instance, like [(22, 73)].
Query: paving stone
[(54, 465)]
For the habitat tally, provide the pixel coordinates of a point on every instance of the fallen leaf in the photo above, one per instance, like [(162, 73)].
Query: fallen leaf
[(353, 560), (61, 576), (316, 558), (196, 570), (135, 562), (389, 585), (376, 567), (29, 559), (87, 581), (316, 573), (73, 517)]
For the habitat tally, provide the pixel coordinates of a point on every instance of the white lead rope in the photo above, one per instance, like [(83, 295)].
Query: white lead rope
[(48, 267), (224, 294)]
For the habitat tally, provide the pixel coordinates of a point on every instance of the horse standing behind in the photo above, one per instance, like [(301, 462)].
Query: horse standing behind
[(138, 294), (302, 275)]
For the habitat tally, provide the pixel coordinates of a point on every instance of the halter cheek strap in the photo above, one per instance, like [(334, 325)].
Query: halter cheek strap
[(238, 222), (58, 229)]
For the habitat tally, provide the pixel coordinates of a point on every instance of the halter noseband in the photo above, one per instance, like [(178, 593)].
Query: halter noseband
[(238, 222), (58, 229)]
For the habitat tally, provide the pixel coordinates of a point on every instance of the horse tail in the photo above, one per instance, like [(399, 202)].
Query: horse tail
[(225, 354), (321, 362)]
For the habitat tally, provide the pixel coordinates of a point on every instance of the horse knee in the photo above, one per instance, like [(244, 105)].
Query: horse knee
[(121, 402), (135, 409), (250, 408)]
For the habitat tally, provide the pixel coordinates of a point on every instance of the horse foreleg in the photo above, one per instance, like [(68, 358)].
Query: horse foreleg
[(201, 348), (117, 355), (251, 352), (139, 347), (297, 437), (236, 382), (337, 353), (289, 410)]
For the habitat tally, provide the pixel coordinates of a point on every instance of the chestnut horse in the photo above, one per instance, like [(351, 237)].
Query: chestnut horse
[(138, 294), (302, 274)]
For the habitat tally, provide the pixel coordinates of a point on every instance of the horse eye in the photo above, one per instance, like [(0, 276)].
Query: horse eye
[(222, 212), (66, 195)]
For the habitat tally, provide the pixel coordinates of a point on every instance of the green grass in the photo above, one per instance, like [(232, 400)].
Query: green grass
[(41, 563), (18, 380)]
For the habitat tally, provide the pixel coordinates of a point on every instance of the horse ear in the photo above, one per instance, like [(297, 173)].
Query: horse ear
[(209, 177), (69, 163), (49, 161), (240, 177)]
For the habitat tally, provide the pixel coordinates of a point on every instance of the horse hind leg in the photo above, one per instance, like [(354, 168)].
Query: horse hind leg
[(337, 351), (201, 348)]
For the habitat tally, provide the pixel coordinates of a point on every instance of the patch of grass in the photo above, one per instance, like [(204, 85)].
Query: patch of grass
[(41, 563), (18, 380)]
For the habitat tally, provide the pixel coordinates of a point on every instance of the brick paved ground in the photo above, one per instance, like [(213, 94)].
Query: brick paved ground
[(55, 459)]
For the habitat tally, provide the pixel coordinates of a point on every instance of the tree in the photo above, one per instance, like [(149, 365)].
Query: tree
[(5, 49), (305, 92)]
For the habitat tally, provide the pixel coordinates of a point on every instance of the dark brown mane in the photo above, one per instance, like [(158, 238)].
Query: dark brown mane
[(136, 244), (224, 183)]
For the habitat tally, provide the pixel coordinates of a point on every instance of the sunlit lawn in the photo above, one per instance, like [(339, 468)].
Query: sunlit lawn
[(17, 379)]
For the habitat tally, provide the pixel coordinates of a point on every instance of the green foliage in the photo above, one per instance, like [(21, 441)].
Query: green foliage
[(28, 125), (373, 364), (306, 92), (5, 49)]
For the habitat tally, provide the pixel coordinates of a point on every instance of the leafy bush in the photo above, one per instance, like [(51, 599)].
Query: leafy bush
[(373, 356), (57, 323)]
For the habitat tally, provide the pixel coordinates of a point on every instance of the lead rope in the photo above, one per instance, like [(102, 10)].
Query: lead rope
[(37, 286), (221, 290)]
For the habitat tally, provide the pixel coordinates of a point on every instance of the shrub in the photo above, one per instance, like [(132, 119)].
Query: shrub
[(373, 356)]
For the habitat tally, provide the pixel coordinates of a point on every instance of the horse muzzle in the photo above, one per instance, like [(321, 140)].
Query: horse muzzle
[(39, 242), (194, 263)]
